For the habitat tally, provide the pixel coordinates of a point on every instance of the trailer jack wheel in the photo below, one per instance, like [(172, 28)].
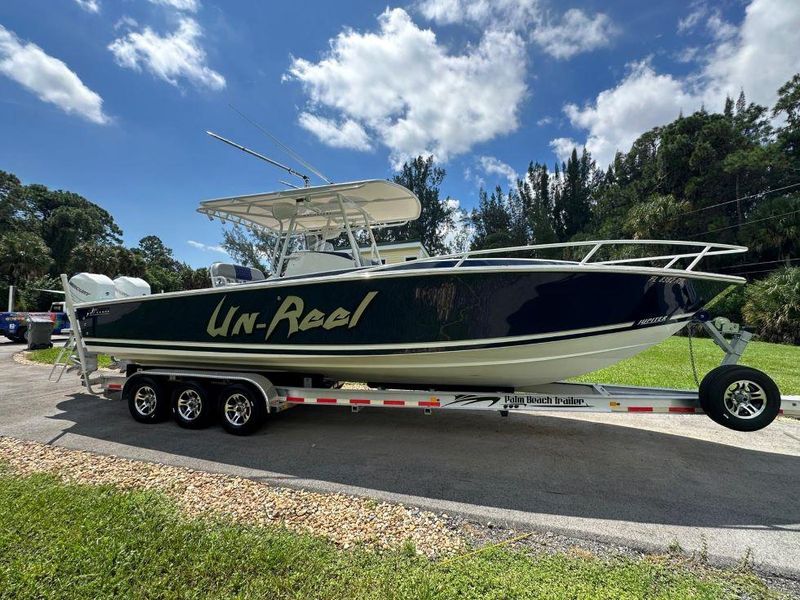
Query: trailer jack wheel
[(740, 398), (147, 400)]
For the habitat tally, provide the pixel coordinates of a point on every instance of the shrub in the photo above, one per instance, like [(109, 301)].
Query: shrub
[(729, 304), (772, 306)]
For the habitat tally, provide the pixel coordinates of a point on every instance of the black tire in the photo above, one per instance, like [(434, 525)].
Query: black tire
[(704, 383), (191, 405), (740, 398), (20, 336), (241, 410), (147, 400)]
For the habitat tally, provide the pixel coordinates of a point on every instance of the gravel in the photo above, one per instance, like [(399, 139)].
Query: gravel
[(347, 521)]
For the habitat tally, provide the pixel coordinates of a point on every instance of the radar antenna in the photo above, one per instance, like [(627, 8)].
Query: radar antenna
[(306, 179), (285, 148)]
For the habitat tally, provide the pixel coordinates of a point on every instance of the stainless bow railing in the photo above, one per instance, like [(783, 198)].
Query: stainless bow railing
[(700, 251)]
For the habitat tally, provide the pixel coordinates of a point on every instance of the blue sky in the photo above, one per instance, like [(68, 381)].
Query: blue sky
[(111, 99)]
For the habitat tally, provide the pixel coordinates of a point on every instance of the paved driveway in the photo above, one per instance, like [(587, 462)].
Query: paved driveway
[(641, 480)]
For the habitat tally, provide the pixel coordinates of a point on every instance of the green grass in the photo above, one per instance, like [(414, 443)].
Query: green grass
[(49, 355), (668, 365), (70, 541)]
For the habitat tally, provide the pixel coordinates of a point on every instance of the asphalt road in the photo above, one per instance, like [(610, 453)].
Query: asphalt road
[(640, 480)]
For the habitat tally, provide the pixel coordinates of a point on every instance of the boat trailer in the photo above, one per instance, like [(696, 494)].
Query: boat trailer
[(737, 397)]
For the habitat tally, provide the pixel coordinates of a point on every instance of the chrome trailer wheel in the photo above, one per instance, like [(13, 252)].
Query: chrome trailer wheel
[(242, 411), (147, 400), (740, 398), (191, 406)]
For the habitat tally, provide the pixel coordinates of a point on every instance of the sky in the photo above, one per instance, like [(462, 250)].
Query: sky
[(111, 99)]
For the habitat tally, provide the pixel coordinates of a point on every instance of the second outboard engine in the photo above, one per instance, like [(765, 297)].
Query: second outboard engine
[(130, 287)]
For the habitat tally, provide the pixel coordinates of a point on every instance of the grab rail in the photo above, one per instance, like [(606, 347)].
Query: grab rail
[(703, 250)]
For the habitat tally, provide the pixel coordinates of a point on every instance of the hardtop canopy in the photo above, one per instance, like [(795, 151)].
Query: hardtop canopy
[(320, 209)]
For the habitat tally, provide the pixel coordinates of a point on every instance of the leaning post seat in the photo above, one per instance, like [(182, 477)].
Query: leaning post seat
[(223, 274)]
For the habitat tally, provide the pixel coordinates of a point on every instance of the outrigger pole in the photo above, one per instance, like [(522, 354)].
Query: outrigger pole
[(274, 163)]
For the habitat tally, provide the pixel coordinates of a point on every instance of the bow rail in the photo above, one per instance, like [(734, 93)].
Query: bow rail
[(698, 251)]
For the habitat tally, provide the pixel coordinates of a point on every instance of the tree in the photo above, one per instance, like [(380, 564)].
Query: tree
[(65, 219), (423, 178), (491, 221), (776, 236), (94, 258), (788, 106), (250, 248), (657, 218), (576, 193), (23, 255), (534, 192), (11, 204)]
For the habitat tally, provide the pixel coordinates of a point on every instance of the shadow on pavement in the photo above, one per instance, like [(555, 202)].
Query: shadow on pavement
[(536, 464)]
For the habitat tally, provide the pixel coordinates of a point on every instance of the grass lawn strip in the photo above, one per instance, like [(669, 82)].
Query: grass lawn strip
[(346, 521), (668, 365), (62, 540), (48, 356)]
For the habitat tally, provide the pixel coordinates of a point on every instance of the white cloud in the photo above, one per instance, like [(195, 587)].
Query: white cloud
[(346, 134), (719, 27), (619, 115), (49, 78), (494, 166), (92, 6), (562, 147), (760, 58), (184, 5), (125, 22), (576, 32), (688, 54), (573, 33), (171, 57), (507, 14), (761, 55), (544, 121), (206, 247), (405, 89), (690, 21)]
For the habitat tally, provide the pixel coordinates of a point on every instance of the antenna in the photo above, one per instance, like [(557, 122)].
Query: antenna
[(286, 148), (274, 163)]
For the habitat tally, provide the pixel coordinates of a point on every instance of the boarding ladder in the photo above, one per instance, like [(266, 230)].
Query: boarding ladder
[(74, 354)]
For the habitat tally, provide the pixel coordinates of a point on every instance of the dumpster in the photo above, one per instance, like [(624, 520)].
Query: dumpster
[(40, 328)]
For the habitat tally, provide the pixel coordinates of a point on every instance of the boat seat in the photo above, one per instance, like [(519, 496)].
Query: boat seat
[(223, 274), (303, 262)]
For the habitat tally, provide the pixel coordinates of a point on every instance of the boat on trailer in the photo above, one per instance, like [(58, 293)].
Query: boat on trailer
[(504, 320)]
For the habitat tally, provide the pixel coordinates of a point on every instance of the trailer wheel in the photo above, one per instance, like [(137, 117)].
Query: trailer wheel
[(241, 411), (147, 400), (740, 398), (191, 405)]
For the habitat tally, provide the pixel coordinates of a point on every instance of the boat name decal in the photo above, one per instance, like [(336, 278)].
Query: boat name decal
[(291, 310)]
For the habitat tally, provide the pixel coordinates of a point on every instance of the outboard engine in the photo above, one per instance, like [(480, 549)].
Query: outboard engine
[(131, 287), (91, 287)]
